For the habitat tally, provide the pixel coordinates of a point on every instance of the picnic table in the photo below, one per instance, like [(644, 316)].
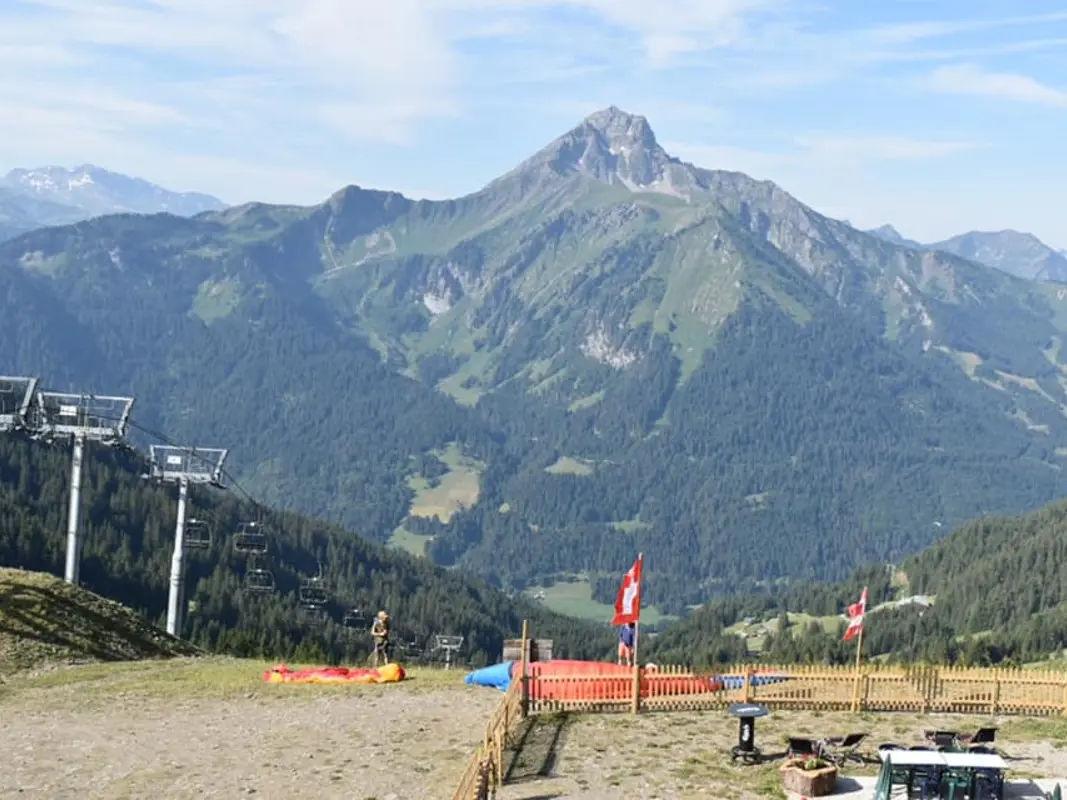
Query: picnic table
[(972, 763)]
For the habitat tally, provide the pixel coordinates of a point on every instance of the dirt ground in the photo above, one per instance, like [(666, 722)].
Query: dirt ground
[(686, 754), (216, 730), (212, 728)]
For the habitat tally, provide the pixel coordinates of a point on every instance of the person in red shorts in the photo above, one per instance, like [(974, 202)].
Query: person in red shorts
[(626, 644)]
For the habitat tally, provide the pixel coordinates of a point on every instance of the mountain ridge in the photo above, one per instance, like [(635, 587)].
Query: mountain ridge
[(1017, 253), (37, 197), (727, 380)]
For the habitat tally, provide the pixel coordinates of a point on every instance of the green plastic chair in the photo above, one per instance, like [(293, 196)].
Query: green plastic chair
[(883, 787)]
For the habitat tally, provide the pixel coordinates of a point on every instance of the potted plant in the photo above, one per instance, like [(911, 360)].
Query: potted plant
[(809, 777)]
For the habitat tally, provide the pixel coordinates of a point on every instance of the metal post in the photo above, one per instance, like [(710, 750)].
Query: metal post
[(636, 702), (72, 571), (177, 560)]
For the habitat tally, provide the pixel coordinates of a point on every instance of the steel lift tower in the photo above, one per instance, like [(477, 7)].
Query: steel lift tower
[(84, 418), (16, 399), (183, 466)]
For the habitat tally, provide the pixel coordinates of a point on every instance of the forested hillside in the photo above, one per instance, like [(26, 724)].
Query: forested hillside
[(129, 533), (998, 587), (590, 357)]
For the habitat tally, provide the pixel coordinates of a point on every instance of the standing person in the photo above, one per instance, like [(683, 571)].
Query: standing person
[(380, 631), (626, 644)]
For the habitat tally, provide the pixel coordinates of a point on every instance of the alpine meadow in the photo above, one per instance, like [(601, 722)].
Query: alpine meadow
[(604, 351)]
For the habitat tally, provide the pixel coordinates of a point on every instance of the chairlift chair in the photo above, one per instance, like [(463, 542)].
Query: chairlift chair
[(313, 594), (258, 580), (250, 538), (355, 618), (197, 534), (410, 650)]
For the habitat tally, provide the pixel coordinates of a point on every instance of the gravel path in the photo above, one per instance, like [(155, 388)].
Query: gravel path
[(371, 742)]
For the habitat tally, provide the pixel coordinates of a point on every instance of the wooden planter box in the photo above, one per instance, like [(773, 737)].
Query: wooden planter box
[(809, 782)]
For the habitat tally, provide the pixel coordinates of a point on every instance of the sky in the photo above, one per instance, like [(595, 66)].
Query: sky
[(937, 116)]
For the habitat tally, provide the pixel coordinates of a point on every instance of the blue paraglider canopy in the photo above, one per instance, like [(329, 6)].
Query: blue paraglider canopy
[(497, 676)]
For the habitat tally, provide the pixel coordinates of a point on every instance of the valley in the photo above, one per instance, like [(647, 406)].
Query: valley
[(594, 354)]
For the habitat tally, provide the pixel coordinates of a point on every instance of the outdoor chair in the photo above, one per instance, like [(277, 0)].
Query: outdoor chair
[(839, 751), (954, 784), (803, 748), (981, 736), (944, 740), (989, 783)]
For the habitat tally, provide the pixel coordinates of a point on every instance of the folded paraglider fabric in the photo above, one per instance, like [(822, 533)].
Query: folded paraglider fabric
[(390, 673), (498, 676)]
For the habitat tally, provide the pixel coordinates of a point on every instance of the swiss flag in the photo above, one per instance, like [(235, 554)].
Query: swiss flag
[(628, 600), (856, 612)]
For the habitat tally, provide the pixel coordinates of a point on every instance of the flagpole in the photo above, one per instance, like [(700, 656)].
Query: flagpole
[(856, 679), (859, 650), (637, 664)]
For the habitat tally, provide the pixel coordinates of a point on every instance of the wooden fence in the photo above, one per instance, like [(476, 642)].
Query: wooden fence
[(916, 689), (485, 770), (921, 689)]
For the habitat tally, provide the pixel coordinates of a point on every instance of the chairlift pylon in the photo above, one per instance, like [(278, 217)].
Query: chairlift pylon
[(258, 579), (197, 534), (250, 538)]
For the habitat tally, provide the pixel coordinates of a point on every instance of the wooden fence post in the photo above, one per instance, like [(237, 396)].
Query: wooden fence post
[(525, 687)]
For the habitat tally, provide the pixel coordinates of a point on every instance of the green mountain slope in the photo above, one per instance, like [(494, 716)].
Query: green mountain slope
[(605, 350), (129, 525), (991, 592)]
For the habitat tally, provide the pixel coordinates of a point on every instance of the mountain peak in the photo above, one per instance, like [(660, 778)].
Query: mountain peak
[(621, 129), (616, 147)]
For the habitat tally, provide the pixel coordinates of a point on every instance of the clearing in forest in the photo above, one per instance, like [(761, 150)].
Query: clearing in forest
[(440, 497), (456, 489)]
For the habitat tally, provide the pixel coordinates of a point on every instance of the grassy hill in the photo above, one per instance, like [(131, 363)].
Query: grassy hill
[(592, 356), (44, 620)]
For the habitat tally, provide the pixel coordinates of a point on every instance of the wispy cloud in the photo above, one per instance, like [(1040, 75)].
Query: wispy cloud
[(971, 79)]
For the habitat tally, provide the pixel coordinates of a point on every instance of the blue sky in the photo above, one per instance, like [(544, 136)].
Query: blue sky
[(938, 116)]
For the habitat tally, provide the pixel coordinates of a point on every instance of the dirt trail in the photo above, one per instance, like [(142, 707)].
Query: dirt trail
[(371, 742)]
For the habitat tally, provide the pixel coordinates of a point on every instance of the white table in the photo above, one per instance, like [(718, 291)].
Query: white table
[(913, 758), (974, 760)]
